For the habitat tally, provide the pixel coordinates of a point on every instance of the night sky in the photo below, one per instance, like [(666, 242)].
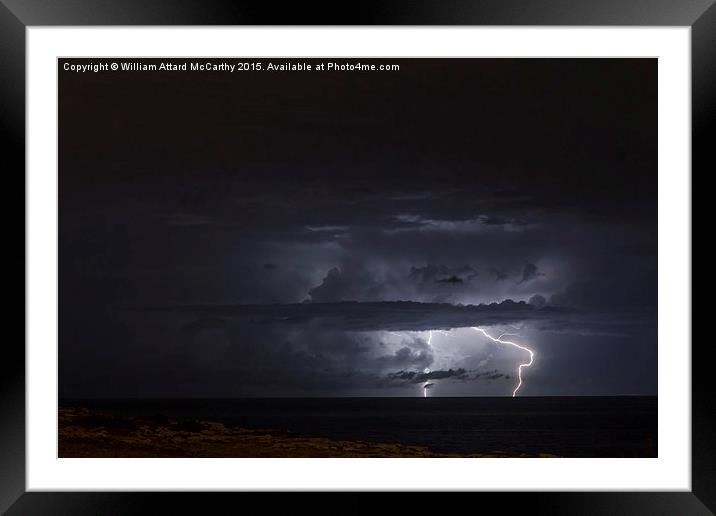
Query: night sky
[(305, 233)]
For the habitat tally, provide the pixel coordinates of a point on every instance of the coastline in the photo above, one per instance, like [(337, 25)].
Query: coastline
[(87, 433)]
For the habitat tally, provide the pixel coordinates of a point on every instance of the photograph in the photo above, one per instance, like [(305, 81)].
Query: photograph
[(357, 257), (410, 247)]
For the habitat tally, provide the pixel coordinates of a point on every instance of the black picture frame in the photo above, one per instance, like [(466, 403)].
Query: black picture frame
[(17, 15)]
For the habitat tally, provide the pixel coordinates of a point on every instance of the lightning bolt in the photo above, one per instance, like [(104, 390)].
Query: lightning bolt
[(519, 369), (425, 389)]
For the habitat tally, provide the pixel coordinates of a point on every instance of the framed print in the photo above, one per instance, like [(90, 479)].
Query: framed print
[(423, 248)]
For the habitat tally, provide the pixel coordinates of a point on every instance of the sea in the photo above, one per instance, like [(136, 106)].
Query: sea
[(624, 426)]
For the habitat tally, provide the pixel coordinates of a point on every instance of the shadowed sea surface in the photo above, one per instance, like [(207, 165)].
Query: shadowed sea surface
[(624, 426)]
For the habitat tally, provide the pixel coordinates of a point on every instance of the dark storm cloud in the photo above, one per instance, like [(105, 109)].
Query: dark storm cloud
[(418, 377), (604, 324), (402, 378), (450, 280), (332, 288), (434, 282), (538, 301), (497, 220), (337, 286), (500, 275), (490, 375), (530, 272), (441, 273), (403, 375), (378, 316)]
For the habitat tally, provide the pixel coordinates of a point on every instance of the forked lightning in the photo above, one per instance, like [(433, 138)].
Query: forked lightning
[(519, 369)]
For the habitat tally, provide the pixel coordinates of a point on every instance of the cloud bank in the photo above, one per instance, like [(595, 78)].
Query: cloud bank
[(377, 316)]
